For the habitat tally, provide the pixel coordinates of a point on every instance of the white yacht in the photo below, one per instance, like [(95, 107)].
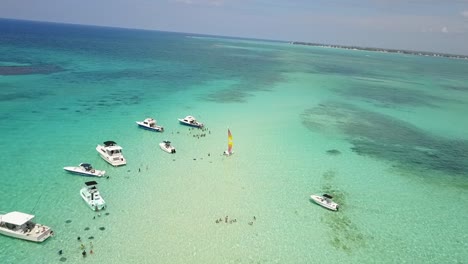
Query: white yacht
[(91, 196), (325, 201), (112, 153), (21, 225), (166, 146), (85, 169), (150, 124), (190, 121)]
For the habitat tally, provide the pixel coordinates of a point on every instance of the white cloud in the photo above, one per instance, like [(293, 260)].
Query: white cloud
[(465, 13), (445, 30)]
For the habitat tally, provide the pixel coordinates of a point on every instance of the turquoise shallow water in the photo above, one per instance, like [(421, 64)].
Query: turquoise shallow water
[(384, 133)]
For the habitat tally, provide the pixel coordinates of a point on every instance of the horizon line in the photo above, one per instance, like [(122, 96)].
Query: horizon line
[(340, 46)]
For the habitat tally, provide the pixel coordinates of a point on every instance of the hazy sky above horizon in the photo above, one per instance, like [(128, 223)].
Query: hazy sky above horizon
[(430, 25)]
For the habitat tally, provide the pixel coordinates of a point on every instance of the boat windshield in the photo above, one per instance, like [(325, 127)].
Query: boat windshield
[(112, 152), (87, 167)]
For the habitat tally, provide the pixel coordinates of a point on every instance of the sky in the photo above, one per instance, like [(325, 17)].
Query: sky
[(423, 25)]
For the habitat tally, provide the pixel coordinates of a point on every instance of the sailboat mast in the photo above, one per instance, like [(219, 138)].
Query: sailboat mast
[(229, 141)]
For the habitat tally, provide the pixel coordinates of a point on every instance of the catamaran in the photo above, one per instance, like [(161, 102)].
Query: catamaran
[(229, 151)]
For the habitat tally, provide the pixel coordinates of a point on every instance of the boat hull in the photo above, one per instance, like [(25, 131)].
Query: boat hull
[(330, 205), (170, 150), (79, 171), (198, 125), (95, 206), (114, 161), (227, 153), (38, 234), (154, 129)]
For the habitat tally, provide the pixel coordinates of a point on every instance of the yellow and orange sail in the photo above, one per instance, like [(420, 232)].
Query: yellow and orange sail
[(229, 142)]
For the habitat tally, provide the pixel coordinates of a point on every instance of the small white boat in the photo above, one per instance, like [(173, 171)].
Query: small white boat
[(229, 151), (150, 124), (85, 169), (166, 146), (190, 121), (325, 201), (92, 197), (112, 153), (21, 225)]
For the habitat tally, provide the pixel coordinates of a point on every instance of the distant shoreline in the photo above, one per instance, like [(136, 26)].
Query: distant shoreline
[(409, 52)]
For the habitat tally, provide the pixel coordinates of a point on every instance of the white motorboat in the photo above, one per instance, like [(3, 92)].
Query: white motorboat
[(112, 153), (166, 146), (85, 169), (325, 201), (190, 121), (92, 197), (21, 225), (150, 124)]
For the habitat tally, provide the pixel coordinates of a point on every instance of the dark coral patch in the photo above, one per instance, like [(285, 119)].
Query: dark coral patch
[(389, 96), (333, 152), (30, 69), (227, 96), (384, 137)]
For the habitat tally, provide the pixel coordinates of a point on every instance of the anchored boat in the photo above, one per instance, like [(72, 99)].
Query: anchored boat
[(325, 201), (21, 225), (85, 169), (166, 146), (150, 124), (112, 153), (92, 197), (190, 121)]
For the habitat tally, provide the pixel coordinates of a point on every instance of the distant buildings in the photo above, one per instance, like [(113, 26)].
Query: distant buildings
[(419, 53)]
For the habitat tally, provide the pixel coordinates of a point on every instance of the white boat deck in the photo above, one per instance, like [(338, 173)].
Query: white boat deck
[(18, 225)]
